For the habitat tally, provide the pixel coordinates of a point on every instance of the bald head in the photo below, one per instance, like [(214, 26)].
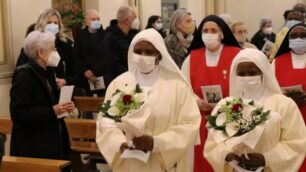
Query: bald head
[(92, 15)]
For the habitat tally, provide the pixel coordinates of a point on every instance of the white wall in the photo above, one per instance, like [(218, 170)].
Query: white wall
[(251, 11), (149, 8), (196, 7), (108, 10), (24, 13)]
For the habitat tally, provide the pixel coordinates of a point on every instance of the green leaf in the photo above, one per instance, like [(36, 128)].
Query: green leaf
[(138, 89), (211, 119)]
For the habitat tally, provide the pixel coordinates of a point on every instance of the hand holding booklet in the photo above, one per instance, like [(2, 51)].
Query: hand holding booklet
[(65, 96)]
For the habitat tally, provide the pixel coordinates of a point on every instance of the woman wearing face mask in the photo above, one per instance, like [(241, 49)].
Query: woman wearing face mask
[(156, 23), (292, 19), (181, 34), (50, 21), (174, 120), (281, 147), (212, 52), (290, 67), (37, 132), (264, 33)]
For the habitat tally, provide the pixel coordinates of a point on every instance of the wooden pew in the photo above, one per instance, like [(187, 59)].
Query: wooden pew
[(82, 133), (25, 164), (22, 164), (88, 104)]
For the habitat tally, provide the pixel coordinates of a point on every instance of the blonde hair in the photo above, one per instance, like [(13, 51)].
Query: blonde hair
[(43, 21)]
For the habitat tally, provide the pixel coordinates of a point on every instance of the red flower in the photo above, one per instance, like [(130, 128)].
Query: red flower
[(127, 99), (237, 107)]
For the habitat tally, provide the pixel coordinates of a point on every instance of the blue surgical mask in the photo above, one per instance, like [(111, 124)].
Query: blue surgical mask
[(291, 23), (95, 24), (51, 27), (298, 45), (159, 26)]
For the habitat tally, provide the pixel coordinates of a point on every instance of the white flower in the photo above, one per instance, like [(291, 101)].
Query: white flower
[(140, 97), (221, 119), (232, 128), (115, 99), (113, 111), (247, 112)]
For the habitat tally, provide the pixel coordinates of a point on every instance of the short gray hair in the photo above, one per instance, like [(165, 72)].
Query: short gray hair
[(263, 21), (124, 11), (176, 18), (37, 40)]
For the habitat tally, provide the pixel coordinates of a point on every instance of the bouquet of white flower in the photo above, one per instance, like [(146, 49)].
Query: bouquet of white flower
[(129, 109), (237, 116), (123, 102), (239, 123)]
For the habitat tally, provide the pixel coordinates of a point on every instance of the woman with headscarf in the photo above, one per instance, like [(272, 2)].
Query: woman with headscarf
[(174, 120), (290, 67), (178, 41), (211, 55), (156, 23), (281, 147)]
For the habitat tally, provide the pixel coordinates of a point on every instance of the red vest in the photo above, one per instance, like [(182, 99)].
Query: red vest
[(287, 76), (203, 75)]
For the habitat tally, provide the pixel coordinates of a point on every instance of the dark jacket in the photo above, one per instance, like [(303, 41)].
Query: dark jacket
[(115, 49), (36, 130), (88, 53), (65, 68), (259, 39)]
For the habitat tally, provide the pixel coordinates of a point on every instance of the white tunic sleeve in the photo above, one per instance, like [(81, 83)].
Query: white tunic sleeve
[(110, 138), (289, 153), (174, 143)]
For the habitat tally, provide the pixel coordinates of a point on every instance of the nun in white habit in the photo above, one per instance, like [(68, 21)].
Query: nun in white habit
[(282, 147), (174, 122)]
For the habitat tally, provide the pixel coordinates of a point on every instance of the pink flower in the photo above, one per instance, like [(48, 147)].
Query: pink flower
[(237, 107), (127, 99)]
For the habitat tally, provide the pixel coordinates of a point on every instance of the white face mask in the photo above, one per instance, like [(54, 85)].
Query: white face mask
[(95, 24), (145, 64), (51, 27), (268, 30), (53, 59), (158, 26), (298, 45), (249, 83), (210, 40), (136, 24)]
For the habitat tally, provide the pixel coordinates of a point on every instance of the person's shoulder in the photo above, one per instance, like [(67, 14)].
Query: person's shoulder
[(281, 99), (232, 48), (23, 71)]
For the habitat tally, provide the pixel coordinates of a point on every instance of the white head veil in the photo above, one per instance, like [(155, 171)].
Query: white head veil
[(152, 36), (260, 60)]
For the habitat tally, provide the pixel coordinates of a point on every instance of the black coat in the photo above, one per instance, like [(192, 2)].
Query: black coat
[(259, 39), (65, 68), (36, 130), (88, 53), (115, 49)]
